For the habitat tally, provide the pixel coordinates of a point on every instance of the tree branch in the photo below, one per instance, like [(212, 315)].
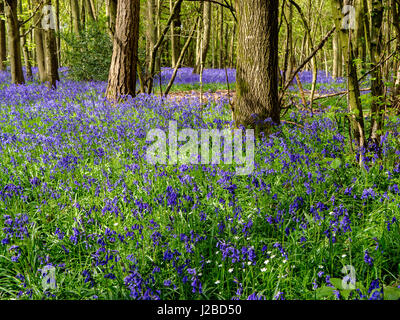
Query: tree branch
[(313, 53)]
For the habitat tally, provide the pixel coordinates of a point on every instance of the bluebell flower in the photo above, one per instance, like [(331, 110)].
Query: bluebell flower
[(368, 259)]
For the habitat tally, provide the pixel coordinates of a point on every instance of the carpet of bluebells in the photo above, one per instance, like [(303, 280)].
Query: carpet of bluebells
[(77, 197)]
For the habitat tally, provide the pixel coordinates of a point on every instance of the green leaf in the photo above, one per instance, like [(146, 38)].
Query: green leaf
[(336, 163), (346, 293), (309, 218), (337, 283), (324, 292), (391, 293)]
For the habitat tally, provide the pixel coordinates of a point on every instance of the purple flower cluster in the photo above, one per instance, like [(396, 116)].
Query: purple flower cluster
[(73, 164)]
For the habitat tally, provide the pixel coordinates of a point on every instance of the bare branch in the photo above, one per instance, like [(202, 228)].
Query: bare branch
[(313, 53)]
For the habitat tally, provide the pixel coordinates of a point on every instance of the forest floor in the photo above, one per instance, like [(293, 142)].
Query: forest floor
[(215, 96), (79, 198)]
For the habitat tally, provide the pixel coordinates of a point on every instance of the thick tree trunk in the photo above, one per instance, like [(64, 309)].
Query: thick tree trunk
[(122, 76), (3, 40), (257, 63), (14, 43), (50, 49)]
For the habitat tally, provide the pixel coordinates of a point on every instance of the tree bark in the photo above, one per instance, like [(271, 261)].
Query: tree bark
[(111, 13), (83, 15), (25, 50), (75, 14), (50, 52), (231, 47), (205, 37), (337, 56), (122, 76), (289, 43), (377, 86), (361, 48), (90, 10), (27, 56), (3, 40), (396, 24), (151, 30), (257, 73), (221, 38), (14, 43), (356, 113), (39, 42), (58, 38), (175, 35)]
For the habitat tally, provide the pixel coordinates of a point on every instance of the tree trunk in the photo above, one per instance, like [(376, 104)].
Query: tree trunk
[(257, 76), (151, 30), (213, 39), (175, 35), (90, 10), (157, 66), (180, 58), (39, 43), (27, 57), (199, 39), (377, 86), (337, 56), (154, 51), (83, 15), (231, 47), (14, 43), (205, 37), (111, 13), (58, 40), (356, 113), (221, 38), (289, 44), (396, 24), (360, 33), (50, 50), (75, 14), (225, 46), (122, 76), (25, 50), (3, 40)]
